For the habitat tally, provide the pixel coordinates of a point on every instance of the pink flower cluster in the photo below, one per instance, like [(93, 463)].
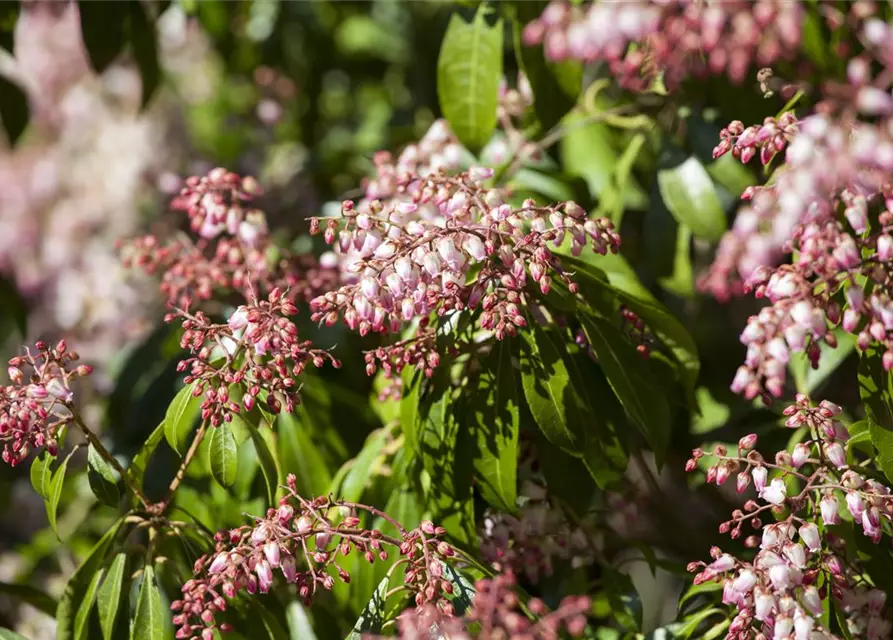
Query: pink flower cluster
[(769, 139), (778, 593), (495, 613), (37, 405), (450, 244), (676, 38), (307, 541), (232, 251), (258, 348)]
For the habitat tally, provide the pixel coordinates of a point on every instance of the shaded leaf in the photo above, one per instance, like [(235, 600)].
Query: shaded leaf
[(301, 456), (463, 588), (224, 455), (876, 390), (354, 483), (268, 467), (13, 109), (137, 469), (469, 71), (32, 595), (109, 596), (103, 478), (82, 617), (150, 617), (409, 406), (11, 301), (103, 28), (181, 417), (143, 39)]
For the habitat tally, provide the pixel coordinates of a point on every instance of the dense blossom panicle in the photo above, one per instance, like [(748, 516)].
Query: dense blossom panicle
[(257, 348), (37, 405), (448, 243), (496, 613), (305, 543), (779, 592), (232, 252), (676, 38)]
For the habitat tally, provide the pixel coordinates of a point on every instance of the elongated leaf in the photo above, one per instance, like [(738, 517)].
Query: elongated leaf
[(440, 413), (149, 620), (555, 85), (79, 582), (103, 478), (224, 455), (42, 474), (463, 588), (268, 467), (181, 418), (690, 195), (8, 634), (409, 406), (109, 597), (302, 456), (54, 494), (547, 388), (32, 595), (137, 469), (13, 109), (630, 379), (469, 70), (373, 615), (354, 483), (495, 420), (82, 617), (103, 31), (299, 625), (876, 389), (145, 51)]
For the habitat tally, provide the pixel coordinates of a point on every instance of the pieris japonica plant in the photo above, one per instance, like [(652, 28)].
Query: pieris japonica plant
[(603, 349)]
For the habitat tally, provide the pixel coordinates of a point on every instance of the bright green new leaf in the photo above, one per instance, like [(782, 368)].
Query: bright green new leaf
[(690, 195), (42, 474), (150, 618), (109, 597), (223, 454), (54, 494), (469, 71), (103, 478), (82, 617), (181, 418)]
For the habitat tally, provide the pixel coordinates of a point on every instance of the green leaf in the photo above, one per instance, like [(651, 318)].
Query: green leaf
[(300, 626), (143, 40), (373, 615), (555, 85), (224, 455), (807, 379), (7, 634), (268, 466), (13, 109), (409, 406), (11, 301), (681, 282), (150, 617), (302, 456), (181, 418), (79, 583), (876, 390), (548, 390), (137, 469), (103, 31), (495, 421), (32, 595), (82, 617), (469, 71), (109, 597), (440, 411), (567, 477), (103, 478), (54, 494), (463, 588), (615, 195), (41, 474), (690, 195), (629, 377), (354, 484)]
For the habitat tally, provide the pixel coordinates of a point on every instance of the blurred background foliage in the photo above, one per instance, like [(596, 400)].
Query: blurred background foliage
[(103, 115)]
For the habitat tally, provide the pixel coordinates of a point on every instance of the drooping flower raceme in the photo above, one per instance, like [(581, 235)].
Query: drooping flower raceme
[(800, 563)]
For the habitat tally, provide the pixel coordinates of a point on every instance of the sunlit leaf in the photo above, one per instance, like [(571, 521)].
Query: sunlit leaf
[(150, 617), (181, 418), (223, 455), (690, 195), (109, 597)]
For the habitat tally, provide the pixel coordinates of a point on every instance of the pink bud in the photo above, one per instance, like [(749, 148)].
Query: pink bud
[(829, 507), (835, 453), (219, 563), (271, 551), (759, 477), (809, 533), (304, 524), (264, 575), (800, 455)]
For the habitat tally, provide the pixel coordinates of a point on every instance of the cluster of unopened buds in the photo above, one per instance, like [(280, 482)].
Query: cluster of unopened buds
[(232, 251), (308, 541), (675, 38), (257, 349), (450, 245), (779, 592), (496, 612), (768, 139), (36, 406), (530, 543)]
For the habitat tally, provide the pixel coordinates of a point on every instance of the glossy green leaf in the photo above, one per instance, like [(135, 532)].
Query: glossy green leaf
[(373, 615), (463, 588), (224, 455), (441, 414), (13, 109), (496, 423), (681, 281), (268, 467), (137, 469), (629, 377), (108, 599), (150, 617), (354, 484), (80, 581), (300, 627), (409, 406), (807, 379), (103, 478), (143, 39), (103, 28), (469, 71), (876, 390), (301, 456), (555, 85), (181, 418), (690, 195), (31, 595), (82, 617), (42, 474), (54, 494)]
